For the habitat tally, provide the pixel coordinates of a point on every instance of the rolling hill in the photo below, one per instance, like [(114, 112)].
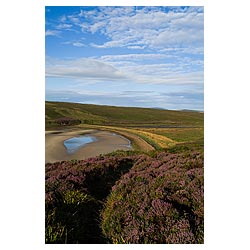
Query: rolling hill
[(122, 116)]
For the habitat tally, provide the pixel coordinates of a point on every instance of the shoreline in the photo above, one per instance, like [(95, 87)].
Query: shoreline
[(107, 142)]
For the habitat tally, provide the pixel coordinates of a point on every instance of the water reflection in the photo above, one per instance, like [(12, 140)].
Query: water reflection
[(75, 143)]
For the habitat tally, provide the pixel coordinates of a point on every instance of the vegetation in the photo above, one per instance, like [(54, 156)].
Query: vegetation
[(160, 200), (153, 194), (121, 116), (160, 129), (156, 199), (75, 191)]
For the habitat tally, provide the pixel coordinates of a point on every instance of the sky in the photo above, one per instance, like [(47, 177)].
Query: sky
[(149, 57)]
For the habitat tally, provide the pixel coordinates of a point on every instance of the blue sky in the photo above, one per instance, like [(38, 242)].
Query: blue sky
[(126, 56)]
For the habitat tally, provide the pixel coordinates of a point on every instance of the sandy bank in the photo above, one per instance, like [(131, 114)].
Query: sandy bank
[(106, 142)]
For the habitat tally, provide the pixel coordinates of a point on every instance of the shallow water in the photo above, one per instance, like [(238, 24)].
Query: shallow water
[(75, 143)]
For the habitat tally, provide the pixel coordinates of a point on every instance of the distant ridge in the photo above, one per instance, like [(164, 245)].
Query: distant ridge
[(159, 108), (191, 110)]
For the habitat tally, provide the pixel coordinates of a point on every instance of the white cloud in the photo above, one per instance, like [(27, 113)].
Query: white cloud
[(179, 78), (75, 20), (133, 57), (154, 29), (158, 68), (96, 26), (63, 18), (186, 50), (142, 28), (82, 68), (52, 33), (130, 67), (78, 44), (136, 47), (64, 26)]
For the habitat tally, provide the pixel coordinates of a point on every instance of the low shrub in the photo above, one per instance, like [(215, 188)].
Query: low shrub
[(126, 198), (160, 200), (74, 197)]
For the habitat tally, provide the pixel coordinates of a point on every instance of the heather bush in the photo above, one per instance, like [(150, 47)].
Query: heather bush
[(74, 196), (160, 200), (155, 198)]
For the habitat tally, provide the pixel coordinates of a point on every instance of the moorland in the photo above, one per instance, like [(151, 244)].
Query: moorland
[(152, 193)]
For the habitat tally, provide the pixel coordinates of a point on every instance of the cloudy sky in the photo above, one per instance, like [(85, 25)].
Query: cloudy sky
[(126, 56)]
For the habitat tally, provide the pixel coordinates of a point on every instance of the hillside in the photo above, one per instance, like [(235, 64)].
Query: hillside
[(138, 196), (122, 116)]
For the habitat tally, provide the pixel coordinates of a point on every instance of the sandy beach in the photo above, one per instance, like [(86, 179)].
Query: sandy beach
[(106, 142)]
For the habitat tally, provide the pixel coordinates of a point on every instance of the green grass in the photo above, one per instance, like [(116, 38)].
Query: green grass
[(122, 116), (180, 134)]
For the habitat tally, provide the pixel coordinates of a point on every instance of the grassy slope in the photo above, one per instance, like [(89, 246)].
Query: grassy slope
[(123, 116), (159, 128)]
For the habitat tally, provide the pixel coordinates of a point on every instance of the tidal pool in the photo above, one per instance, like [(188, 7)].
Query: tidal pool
[(75, 143)]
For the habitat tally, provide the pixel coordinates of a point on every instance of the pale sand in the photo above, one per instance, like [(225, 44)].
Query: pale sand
[(106, 142)]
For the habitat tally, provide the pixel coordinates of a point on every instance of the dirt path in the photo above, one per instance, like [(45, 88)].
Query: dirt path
[(143, 145)]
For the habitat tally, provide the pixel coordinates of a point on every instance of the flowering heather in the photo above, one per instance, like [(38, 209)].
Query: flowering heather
[(156, 198), (160, 200), (74, 194)]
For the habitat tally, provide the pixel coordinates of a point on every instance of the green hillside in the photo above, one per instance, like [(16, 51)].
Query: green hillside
[(122, 116)]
